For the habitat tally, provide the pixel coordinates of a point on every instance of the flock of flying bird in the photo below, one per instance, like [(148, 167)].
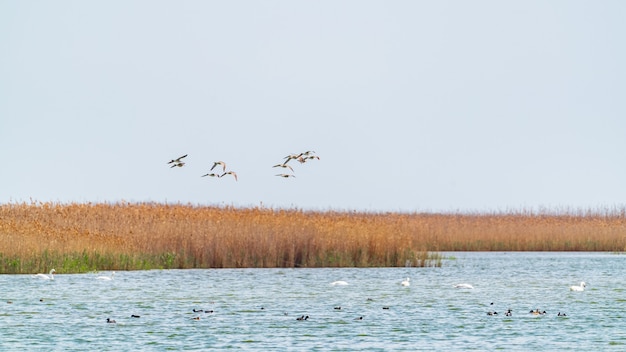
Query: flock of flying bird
[(301, 157), (215, 169)]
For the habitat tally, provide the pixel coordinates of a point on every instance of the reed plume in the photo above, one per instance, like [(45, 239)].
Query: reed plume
[(127, 236)]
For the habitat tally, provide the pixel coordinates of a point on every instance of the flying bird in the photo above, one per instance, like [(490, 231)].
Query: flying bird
[(177, 161), (303, 159), (311, 157), (211, 175), (223, 164), (284, 166), (229, 173), (291, 157), (286, 175)]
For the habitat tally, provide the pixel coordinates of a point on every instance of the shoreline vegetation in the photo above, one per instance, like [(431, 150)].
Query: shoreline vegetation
[(85, 237)]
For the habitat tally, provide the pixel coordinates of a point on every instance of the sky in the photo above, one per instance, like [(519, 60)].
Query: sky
[(411, 106)]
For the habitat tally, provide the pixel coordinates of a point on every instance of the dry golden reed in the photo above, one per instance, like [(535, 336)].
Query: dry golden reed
[(128, 236)]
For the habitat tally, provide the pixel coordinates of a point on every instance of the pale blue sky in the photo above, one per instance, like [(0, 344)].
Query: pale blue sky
[(411, 105)]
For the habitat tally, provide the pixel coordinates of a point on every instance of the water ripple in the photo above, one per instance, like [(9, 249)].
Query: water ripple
[(256, 309)]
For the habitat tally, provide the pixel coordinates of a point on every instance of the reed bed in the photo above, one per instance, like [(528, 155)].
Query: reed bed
[(35, 237)]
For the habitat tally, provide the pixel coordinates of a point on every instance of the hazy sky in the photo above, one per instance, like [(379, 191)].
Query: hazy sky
[(410, 105)]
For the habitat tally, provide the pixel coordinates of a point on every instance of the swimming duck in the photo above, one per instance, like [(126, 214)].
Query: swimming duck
[(579, 288), (111, 321), (561, 314), (406, 282), (44, 276), (508, 313), (106, 278), (492, 313)]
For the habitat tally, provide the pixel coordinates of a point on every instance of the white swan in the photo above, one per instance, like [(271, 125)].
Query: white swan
[(44, 276), (339, 283), (106, 278), (406, 282), (578, 288), (464, 286)]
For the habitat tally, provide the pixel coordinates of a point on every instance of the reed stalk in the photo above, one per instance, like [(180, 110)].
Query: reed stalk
[(35, 237)]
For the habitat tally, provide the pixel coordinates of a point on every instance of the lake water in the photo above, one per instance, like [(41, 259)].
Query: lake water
[(256, 309)]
